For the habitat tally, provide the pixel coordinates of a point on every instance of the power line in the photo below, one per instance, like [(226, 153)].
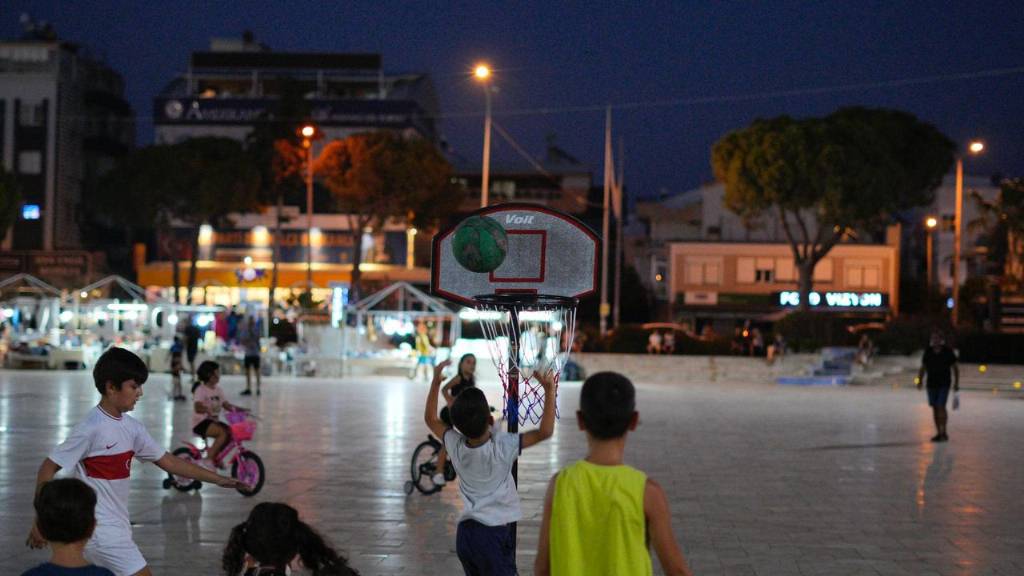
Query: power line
[(696, 100)]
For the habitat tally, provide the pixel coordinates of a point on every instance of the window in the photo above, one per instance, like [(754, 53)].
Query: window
[(503, 188), (862, 275), (948, 223), (703, 271), (823, 271), (30, 162), (32, 113), (755, 270), (765, 270), (784, 271), (745, 270)]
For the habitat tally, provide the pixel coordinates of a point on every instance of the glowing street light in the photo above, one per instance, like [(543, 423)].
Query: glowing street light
[(482, 72), (975, 147), (309, 133), (931, 222)]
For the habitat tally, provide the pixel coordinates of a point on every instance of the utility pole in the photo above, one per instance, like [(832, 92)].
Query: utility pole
[(619, 199), (608, 174)]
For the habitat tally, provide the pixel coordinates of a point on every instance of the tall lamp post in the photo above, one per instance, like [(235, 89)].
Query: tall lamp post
[(930, 223), (482, 72), (974, 147), (309, 133)]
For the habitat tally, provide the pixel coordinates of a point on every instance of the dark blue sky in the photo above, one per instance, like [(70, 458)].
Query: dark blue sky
[(675, 68)]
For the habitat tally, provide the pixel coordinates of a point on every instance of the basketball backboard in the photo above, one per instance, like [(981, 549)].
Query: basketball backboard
[(549, 253)]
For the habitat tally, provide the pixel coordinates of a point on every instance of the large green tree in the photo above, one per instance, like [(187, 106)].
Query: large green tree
[(10, 201), (218, 179), (137, 195), (825, 177), (198, 181), (377, 176), (276, 150)]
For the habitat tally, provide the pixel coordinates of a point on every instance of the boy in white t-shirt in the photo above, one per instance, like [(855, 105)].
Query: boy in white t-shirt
[(483, 455), (100, 450)]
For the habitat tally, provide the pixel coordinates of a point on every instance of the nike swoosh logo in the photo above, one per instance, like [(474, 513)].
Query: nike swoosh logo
[(111, 445)]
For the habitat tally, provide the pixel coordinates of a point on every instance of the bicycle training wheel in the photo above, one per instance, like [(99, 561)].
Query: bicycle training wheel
[(424, 464), (248, 468), (184, 483)]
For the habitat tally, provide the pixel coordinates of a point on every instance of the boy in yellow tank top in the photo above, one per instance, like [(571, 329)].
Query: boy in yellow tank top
[(599, 514)]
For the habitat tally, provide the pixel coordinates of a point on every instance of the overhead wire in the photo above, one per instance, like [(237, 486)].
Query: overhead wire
[(699, 100)]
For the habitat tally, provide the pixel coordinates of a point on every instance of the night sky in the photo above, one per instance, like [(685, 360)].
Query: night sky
[(681, 74)]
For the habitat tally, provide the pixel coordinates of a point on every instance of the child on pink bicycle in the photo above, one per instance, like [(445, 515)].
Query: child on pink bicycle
[(209, 399)]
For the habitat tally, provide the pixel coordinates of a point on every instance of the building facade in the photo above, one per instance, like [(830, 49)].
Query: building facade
[(943, 209), (558, 180), (705, 264), (722, 282), (63, 122), (225, 92)]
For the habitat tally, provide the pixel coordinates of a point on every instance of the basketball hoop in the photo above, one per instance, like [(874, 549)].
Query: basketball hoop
[(544, 262), (526, 334)]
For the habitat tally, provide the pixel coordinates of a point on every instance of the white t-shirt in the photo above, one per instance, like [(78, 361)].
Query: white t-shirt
[(212, 399), (485, 476), (100, 450)]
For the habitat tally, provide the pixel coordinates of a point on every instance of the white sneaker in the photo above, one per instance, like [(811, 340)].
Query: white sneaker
[(438, 479)]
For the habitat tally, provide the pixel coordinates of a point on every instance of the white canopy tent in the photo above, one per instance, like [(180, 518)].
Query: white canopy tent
[(410, 306)]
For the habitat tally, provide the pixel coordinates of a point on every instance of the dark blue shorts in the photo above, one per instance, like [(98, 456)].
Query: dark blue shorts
[(485, 550), (937, 397)]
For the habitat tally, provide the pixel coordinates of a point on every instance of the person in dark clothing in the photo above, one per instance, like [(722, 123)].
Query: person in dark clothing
[(192, 336), (938, 363)]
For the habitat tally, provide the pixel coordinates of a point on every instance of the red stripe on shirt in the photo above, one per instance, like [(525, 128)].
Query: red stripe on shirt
[(109, 467)]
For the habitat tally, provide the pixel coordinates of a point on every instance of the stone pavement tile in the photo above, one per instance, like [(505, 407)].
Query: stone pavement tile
[(760, 479)]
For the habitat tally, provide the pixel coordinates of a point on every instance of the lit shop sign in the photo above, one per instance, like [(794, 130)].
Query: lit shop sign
[(835, 299), (385, 113)]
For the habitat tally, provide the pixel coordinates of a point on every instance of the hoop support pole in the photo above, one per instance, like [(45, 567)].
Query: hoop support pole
[(512, 409)]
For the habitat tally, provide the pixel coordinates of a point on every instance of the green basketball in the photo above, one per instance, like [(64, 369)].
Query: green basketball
[(480, 244)]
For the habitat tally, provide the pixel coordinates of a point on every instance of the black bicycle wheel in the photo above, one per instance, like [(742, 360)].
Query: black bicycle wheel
[(252, 473), (184, 483), (424, 464)]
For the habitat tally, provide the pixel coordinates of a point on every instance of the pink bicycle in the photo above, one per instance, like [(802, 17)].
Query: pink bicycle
[(246, 466)]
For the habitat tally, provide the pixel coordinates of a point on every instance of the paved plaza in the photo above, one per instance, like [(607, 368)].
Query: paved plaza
[(763, 480)]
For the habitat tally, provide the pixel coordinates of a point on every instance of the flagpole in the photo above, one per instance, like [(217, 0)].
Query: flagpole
[(603, 312), (618, 237)]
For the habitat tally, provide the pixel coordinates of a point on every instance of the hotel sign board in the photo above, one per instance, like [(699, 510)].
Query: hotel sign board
[(835, 300)]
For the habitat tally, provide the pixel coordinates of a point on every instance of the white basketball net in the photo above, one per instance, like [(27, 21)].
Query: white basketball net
[(546, 334)]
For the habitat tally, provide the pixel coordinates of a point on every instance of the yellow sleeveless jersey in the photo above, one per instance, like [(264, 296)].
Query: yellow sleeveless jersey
[(598, 526)]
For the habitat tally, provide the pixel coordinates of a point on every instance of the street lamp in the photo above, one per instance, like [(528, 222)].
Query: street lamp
[(482, 73), (975, 147), (309, 133), (931, 222)]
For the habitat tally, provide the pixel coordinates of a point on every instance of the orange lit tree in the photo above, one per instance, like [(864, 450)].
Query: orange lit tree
[(379, 176), (825, 177)]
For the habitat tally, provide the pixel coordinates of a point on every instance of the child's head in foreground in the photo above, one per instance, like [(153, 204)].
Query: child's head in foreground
[(607, 406), (65, 511), (471, 414), (273, 536)]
